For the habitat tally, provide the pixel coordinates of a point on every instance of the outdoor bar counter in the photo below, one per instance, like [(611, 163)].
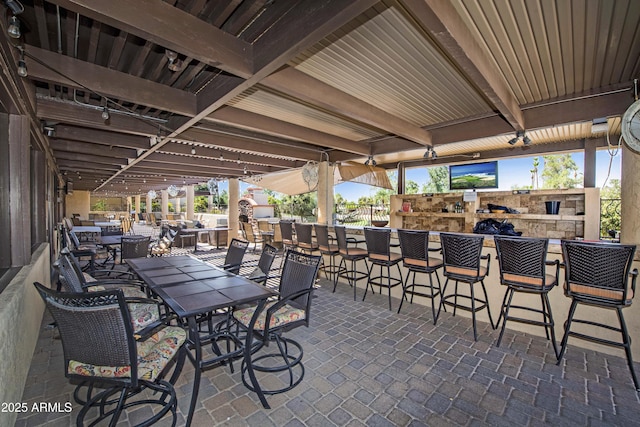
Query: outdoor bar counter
[(559, 302)]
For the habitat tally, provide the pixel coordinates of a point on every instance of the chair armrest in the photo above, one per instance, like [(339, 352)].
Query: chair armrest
[(150, 330), (488, 258), (557, 264), (281, 303), (634, 275)]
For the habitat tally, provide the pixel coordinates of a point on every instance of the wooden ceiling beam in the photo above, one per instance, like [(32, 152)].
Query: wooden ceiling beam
[(90, 158), (299, 85), (58, 144), (74, 165), (171, 28), (72, 113), (189, 165), (214, 153), (94, 136), (264, 124), (64, 70), (443, 23), (204, 173)]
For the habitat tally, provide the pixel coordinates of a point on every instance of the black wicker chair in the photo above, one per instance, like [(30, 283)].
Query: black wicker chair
[(110, 361), (304, 236), (261, 273), (461, 255), (235, 253), (290, 310), (523, 264), (379, 253), (327, 249), (134, 247), (597, 275), (352, 255), (414, 245)]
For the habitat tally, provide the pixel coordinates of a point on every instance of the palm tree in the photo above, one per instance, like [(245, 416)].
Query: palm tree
[(534, 173)]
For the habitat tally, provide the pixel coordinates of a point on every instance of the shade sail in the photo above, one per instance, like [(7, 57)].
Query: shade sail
[(293, 181), (364, 174)]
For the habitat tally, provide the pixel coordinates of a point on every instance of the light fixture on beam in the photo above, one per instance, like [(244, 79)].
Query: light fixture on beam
[(430, 153), (520, 135), (174, 63), (22, 66), (599, 126), (370, 161), (105, 113), (50, 131)]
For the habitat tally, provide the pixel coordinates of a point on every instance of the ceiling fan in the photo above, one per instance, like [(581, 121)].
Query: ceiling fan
[(631, 124)]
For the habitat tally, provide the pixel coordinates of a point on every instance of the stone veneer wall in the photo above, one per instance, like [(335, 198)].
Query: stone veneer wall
[(532, 221)]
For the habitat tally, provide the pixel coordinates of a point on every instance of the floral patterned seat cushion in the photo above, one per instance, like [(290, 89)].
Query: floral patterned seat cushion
[(142, 313), (153, 355), (284, 315)]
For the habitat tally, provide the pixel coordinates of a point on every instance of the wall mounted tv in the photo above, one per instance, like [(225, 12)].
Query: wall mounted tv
[(473, 176)]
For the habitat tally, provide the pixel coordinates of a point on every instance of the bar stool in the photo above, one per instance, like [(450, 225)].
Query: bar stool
[(353, 255), (597, 275), (379, 253), (304, 235), (461, 255), (522, 262), (326, 248), (286, 228), (414, 245)]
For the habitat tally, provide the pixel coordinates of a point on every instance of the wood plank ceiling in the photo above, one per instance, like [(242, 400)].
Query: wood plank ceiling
[(199, 89)]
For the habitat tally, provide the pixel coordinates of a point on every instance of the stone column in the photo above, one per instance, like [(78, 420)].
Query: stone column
[(190, 202), (234, 198), (165, 204), (149, 208), (630, 195), (325, 193)]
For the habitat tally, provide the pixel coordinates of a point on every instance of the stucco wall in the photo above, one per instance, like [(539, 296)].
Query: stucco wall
[(21, 310), (78, 203)]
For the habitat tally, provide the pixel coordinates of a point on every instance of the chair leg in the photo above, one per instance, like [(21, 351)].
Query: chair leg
[(627, 347), (335, 279), (486, 301), (504, 313), (567, 327), (404, 289), (473, 313), (444, 289), (551, 323)]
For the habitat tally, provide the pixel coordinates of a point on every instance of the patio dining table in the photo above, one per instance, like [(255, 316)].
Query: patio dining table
[(192, 288)]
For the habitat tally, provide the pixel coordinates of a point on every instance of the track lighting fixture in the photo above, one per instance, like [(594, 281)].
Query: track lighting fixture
[(14, 27), (370, 161), (520, 135), (430, 153), (105, 113)]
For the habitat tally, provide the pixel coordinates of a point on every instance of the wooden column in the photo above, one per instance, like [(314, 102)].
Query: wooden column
[(149, 208), (176, 205), (325, 193), (590, 162), (630, 195), (234, 198), (190, 202), (165, 204), (137, 207), (401, 178)]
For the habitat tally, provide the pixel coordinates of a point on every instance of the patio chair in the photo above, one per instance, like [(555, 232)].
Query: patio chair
[(414, 246), (379, 253), (114, 364), (260, 274), (235, 254), (523, 264), (250, 235), (134, 247), (597, 275), (164, 243), (291, 310), (352, 255), (86, 252), (462, 255)]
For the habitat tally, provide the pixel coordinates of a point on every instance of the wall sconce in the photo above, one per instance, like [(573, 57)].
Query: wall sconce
[(14, 27), (50, 131), (370, 161), (430, 153)]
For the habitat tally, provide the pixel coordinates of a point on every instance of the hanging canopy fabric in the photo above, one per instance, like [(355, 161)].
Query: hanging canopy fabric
[(364, 174), (292, 181)]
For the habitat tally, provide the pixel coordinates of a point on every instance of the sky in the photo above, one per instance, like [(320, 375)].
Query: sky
[(511, 172)]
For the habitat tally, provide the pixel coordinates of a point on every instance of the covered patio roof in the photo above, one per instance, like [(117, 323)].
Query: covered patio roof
[(131, 96)]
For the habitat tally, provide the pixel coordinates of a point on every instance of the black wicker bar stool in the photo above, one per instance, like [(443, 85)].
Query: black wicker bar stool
[(327, 249), (462, 254), (597, 275), (523, 262), (352, 255), (379, 253)]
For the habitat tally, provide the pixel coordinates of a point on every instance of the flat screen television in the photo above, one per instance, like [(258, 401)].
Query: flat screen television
[(473, 176)]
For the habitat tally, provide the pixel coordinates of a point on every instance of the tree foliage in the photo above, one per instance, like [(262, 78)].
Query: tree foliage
[(560, 171), (610, 217), (438, 180)]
